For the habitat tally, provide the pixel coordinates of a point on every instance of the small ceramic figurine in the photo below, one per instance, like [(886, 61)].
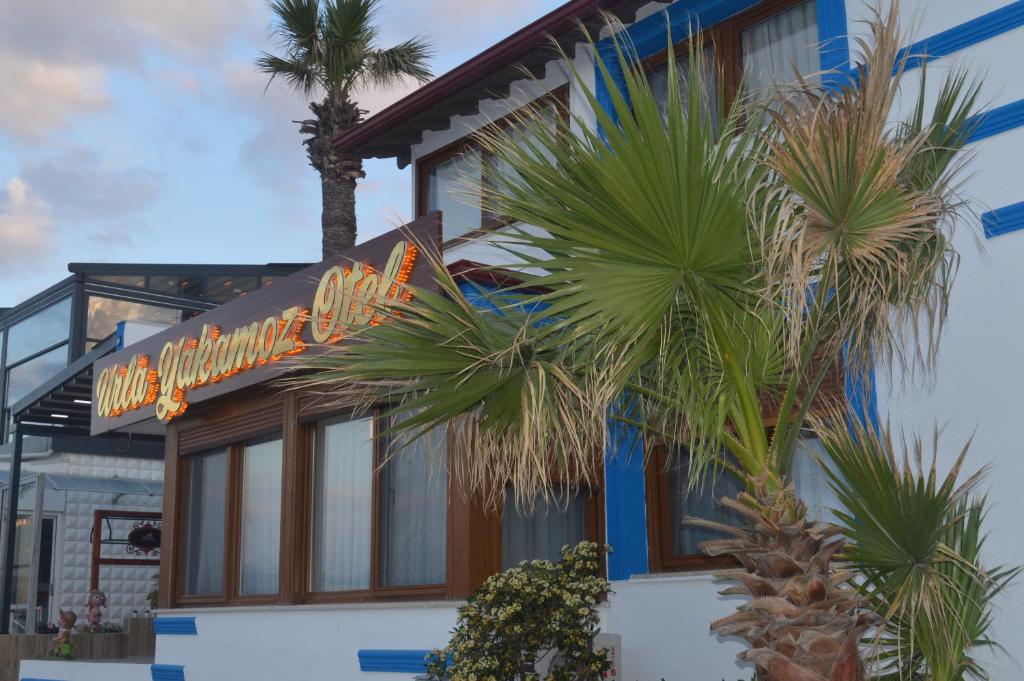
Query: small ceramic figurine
[(62, 645), (93, 616)]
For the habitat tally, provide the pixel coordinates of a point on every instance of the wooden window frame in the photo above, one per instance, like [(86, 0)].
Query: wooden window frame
[(375, 592), (559, 97), (231, 592), (594, 520), (473, 541), (659, 533), (726, 41)]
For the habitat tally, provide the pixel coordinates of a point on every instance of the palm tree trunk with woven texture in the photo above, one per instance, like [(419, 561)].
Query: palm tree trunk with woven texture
[(804, 621), (338, 221)]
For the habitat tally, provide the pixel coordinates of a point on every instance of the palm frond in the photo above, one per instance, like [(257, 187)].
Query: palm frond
[(332, 45), (644, 234), (872, 212), (301, 76), (388, 67), (524, 407), (914, 537), (298, 25)]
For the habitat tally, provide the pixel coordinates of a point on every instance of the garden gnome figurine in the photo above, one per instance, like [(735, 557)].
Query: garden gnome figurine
[(62, 645), (93, 615)]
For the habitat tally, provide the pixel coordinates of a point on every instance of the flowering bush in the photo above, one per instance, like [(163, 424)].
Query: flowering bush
[(536, 611)]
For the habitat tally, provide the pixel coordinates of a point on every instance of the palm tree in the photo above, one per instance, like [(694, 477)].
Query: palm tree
[(702, 271), (329, 49)]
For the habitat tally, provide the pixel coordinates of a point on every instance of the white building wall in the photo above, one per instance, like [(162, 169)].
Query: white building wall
[(979, 384)]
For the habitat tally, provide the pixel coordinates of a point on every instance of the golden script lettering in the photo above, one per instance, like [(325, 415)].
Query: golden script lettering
[(345, 299)]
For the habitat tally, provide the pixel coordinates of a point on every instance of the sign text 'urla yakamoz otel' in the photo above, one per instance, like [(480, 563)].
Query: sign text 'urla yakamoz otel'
[(241, 342)]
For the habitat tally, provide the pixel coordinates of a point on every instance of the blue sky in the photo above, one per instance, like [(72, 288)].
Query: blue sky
[(138, 131)]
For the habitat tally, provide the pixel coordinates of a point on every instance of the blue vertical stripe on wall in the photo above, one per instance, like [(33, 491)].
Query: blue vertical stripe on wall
[(625, 502), (833, 42), (861, 393)]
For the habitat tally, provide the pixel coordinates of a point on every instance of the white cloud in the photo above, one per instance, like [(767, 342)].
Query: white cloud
[(26, 228), (44, 95)]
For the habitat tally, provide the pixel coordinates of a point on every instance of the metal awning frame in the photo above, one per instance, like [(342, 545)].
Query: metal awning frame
[(60, 406)]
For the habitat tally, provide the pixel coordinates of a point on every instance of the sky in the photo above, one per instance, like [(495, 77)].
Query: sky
[(139, 131)]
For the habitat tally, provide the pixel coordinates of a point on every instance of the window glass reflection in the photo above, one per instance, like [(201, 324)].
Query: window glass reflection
[(449, 190), (26, 377), (105, 313), (41, 330), (223, 289), (133, 280)]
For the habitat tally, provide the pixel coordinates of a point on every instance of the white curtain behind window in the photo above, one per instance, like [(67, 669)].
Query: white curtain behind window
[(342, 504), (261, 518), (811, 481), (207, 482), (413, 513), (541, 533), (774, 47)]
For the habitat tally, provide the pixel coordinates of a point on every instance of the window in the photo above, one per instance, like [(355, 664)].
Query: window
[(413, 507), (764, 43), (541, 532), (675, 544), (27, 376), (811, 482), (204, 540), (773, 48), (105, 313), (133, 280), (231, 522), (342, 499), (447, 178), (260, 532), (164, 284), (42, 330), (404, 504), (223, 289)]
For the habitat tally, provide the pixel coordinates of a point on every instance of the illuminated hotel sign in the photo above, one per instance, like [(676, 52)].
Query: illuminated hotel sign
[(241, 342)]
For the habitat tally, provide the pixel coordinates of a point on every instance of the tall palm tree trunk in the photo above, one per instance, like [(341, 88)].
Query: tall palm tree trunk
[(338, 173), (338, 220)]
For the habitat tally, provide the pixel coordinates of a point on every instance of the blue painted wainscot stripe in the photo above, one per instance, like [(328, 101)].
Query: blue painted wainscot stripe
[(1003, 220), (167, 672), (29, 678), (966, 34), (385, 660), (175, 626)]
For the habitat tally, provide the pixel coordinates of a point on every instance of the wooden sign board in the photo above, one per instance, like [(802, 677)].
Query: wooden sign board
[(244, 341)]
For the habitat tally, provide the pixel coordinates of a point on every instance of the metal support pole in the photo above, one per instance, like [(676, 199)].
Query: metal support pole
[(7, 592), (37, 545)]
